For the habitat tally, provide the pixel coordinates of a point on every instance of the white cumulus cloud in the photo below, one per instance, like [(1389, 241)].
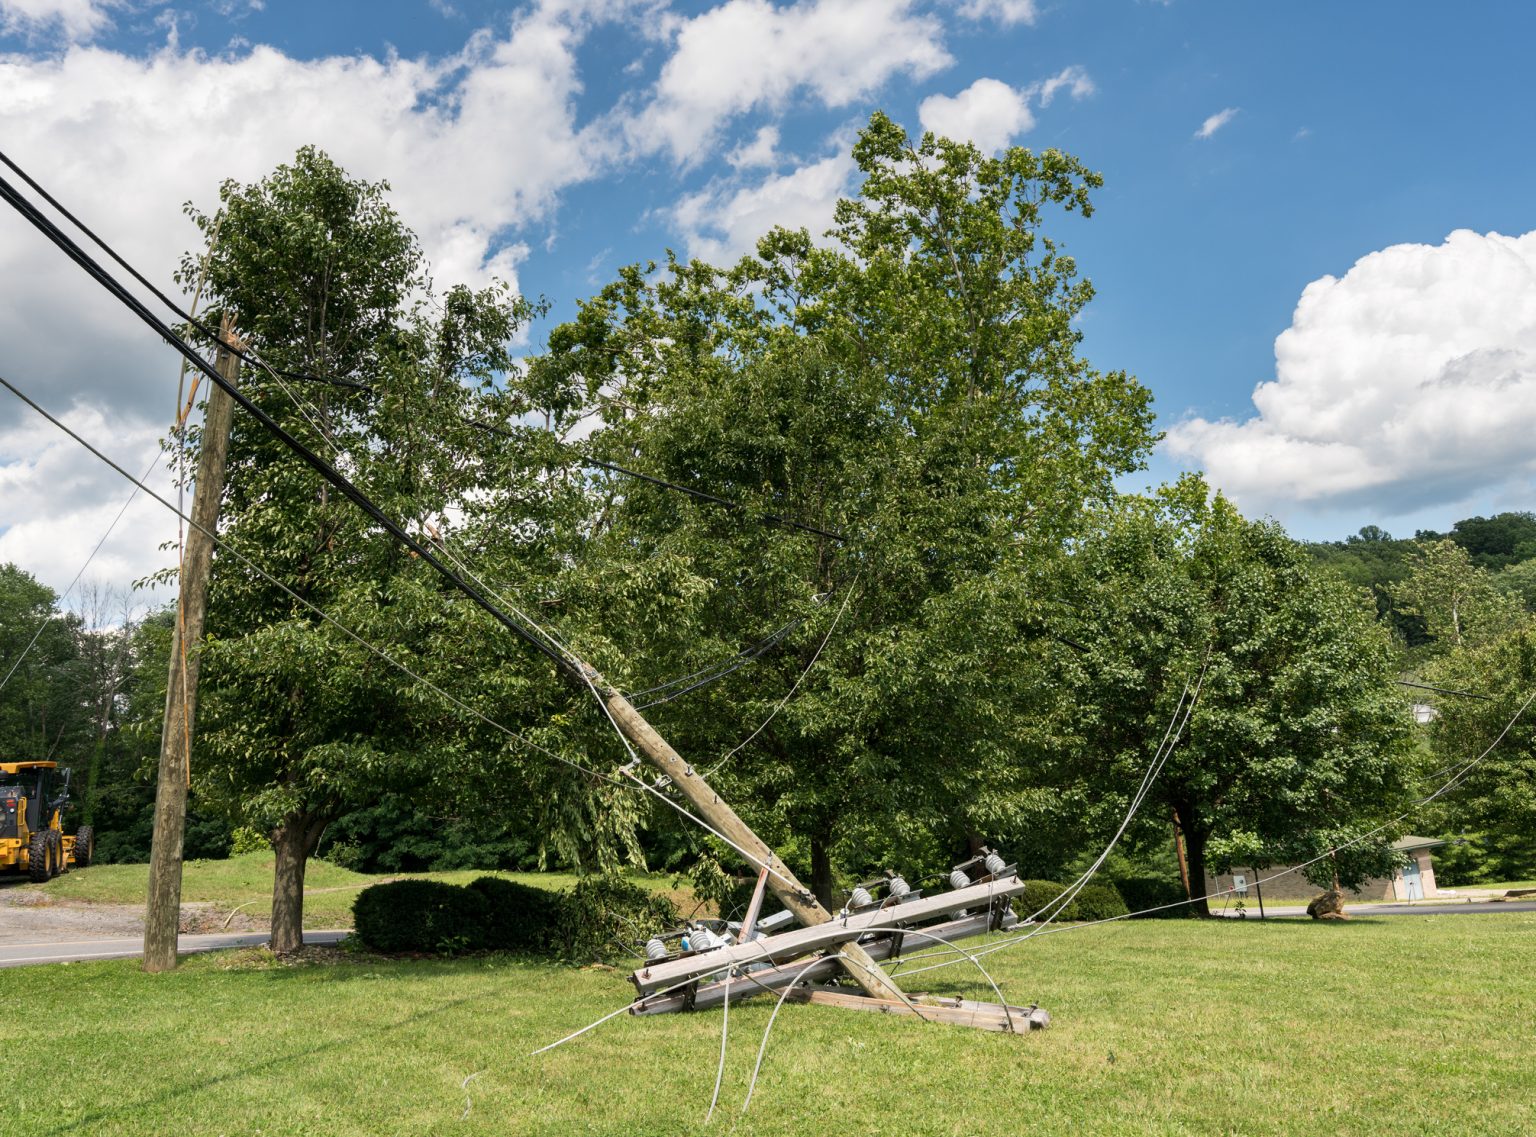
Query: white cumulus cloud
[(1409, 382), (475, 145), (989, 113), (745, 55), (1074, 80), (1003, 11), (74, 20), (723, 221), (1216, 121)]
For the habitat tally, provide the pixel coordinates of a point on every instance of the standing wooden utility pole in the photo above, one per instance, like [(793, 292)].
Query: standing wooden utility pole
[(163, 912), (795, 896)]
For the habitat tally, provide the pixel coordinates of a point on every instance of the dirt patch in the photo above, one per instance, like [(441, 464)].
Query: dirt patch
[(31, 917)]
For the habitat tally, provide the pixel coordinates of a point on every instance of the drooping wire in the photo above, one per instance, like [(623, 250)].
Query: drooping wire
[(782, 703), (1449, 785), (63, 242), (48, 617), (715, 671), (380, 652), (191, 319)]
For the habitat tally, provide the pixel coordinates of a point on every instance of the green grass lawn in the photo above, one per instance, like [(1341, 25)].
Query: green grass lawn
[(245, 882), (1402, 1025)]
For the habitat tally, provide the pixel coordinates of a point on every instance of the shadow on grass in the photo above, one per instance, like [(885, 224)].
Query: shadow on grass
[(89, 1120)]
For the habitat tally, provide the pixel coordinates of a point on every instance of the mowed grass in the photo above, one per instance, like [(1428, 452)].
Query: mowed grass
[(1387, 1025), (245, 883)]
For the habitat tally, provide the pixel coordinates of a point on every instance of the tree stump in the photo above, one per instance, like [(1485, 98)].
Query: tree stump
[(1328, 906)]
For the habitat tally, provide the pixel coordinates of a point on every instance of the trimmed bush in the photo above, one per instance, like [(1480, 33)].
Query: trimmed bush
[(1143, 892), (1039, 893), (421, 916), (603, 914), (519, 917), (1099, 902)]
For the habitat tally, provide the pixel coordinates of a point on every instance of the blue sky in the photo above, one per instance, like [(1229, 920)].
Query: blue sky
[(1253, 155)]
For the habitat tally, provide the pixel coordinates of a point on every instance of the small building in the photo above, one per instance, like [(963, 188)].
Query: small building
[(1414, 881), (1425, 713)]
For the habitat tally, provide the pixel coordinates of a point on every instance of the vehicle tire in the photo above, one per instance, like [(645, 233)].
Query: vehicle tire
[(85, 846), (39, 858), (60, 860)]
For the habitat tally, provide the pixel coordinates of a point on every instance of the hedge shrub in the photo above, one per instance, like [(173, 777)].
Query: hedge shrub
[(598, 918), (603, 914), (1039, 893), (422, 916), (1099, 901), (1143, 892), (519, 917)]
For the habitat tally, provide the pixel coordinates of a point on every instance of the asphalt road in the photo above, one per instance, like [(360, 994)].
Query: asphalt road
[(76, 951)]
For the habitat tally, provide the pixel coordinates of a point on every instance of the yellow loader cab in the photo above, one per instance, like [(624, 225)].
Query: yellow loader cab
[(33, 796)]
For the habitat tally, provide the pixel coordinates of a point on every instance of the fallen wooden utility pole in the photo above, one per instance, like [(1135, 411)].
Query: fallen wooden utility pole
[(723, 819), (763, 979), (842, 933), (954, 1012), (162, 913)]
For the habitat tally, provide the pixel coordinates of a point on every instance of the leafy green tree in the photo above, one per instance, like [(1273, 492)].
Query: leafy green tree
[(1493, 542), (1497, 794), (1459, 602), (298, 722), (908, 393), (40, 711), (1518, 581), (1298, 738), (1373, 559)]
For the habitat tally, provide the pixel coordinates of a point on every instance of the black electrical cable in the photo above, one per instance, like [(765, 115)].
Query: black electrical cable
[(1443, 690), (707, 675), (93, 269), (713, 499), (161, 296)]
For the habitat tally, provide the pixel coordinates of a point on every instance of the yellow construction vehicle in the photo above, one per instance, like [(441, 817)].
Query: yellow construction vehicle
[(33, 797)]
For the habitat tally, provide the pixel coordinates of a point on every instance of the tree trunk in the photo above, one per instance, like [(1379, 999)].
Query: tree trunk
[(1194, 848), (293, 841), (821, 869)]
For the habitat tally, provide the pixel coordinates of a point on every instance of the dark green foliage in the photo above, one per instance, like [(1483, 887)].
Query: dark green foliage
[(1099, 901), (519, 917), (421, 916), (1494, 542), (1040, 895), (1373, 560), (1144, 893), (401, 833), (1485, 858), (599, 918), (603, 915)]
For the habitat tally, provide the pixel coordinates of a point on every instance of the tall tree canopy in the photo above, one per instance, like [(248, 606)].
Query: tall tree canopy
[(301, 721), (1298, 738), (909, 392)]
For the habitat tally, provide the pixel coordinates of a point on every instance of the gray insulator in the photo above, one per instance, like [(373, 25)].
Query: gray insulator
[(860, 898), (897, 888), (995, 864), (655, 948), (705, 940), (958, 879)]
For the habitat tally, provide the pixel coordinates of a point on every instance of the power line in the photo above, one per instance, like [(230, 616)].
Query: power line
[(701, 495), (380, 652), (207, 331), (1443, 690), (66, 245)]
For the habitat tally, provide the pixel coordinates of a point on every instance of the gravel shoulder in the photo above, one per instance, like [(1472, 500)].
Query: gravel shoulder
[(28, 916)]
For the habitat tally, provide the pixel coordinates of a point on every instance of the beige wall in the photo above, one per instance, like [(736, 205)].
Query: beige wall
[(1294, 888)]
